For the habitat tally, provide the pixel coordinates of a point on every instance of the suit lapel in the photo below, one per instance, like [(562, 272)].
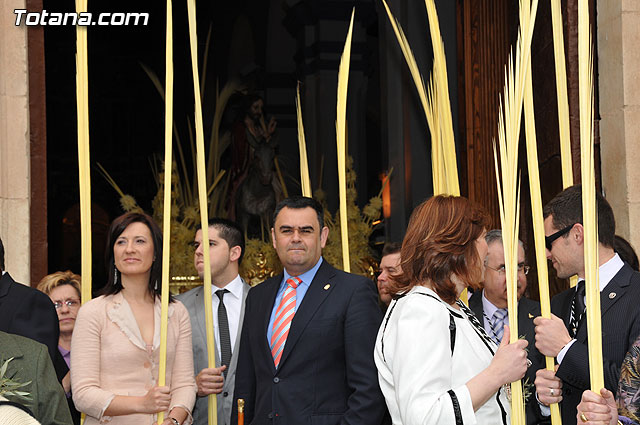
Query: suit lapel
[(614, 290), (525, 320), (5, 283), (202, 324), (234, 354), (245, 292), (566, 307), (315, 296), (199, 306), (268, 308), (475, 304)]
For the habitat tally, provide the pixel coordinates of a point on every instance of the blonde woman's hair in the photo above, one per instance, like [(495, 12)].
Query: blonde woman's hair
[(53, 280)]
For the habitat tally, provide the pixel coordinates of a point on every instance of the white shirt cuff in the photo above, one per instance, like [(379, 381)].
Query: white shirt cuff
[(564, 350), (545, 410)]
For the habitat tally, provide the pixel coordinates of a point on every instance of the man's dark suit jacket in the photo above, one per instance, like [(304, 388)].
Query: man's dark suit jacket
[(527, 311), (620, 309), (326, 375), (30, 313)]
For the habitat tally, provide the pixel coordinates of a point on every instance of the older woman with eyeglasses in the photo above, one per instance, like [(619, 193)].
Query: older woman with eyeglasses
[(64, 290)]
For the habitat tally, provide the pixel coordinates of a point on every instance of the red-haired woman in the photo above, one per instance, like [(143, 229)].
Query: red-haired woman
[(436, 365)]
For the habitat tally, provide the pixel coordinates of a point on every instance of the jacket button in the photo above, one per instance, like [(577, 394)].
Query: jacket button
[(225, 394), (276, 380)]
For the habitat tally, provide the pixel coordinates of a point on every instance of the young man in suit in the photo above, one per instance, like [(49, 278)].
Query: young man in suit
[(564, 335), (306, 355), (490, 307), (28, 312), (226, 248)]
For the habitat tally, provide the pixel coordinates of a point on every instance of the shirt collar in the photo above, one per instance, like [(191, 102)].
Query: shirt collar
[(234, 287), (487, 306), (609, 269), (307, 276)]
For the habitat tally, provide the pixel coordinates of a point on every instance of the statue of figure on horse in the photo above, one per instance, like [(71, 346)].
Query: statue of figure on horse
[(254, 185)]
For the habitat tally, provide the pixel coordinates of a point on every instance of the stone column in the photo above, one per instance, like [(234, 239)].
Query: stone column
[(14, 143), (619, 90)]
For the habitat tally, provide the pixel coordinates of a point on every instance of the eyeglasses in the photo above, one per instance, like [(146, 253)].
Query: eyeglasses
[(549, 240), (522, 268), (68, 303)]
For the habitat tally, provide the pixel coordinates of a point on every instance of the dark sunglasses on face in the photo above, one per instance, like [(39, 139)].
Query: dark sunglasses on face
[(549, 240)]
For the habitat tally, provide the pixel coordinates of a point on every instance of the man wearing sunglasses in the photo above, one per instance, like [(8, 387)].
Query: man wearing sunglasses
[(564, 335), (490, 307)]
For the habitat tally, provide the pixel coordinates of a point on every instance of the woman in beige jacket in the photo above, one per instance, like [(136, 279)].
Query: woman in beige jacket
[(115, 344)]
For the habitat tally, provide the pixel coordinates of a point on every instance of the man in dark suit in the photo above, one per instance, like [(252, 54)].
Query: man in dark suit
[(28, 312), (490, 307), (564, 335), (306, 354)]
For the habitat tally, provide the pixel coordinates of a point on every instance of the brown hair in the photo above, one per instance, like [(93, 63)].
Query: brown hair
[(439, 243), (53, 280), (391, 248), (118, 226), (566, 210)]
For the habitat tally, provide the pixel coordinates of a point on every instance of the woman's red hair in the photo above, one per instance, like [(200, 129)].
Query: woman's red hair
[(440, 243)]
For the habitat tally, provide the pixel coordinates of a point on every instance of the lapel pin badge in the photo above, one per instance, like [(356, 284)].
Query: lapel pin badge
[(327, 286), (612, 295), (530, 316)]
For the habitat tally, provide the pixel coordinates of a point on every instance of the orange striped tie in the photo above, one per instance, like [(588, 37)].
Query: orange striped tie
[(284, 315)]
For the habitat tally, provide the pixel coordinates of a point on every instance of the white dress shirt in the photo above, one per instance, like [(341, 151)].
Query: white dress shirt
[(233, 304), (606, 272), (488, 309)]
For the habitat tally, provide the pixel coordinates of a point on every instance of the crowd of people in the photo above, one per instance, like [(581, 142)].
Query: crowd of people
[(316, 345)]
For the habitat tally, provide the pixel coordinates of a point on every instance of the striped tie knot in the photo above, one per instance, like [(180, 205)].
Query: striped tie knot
[(294, 281), (500, 314), (497, 324), (284, 315)]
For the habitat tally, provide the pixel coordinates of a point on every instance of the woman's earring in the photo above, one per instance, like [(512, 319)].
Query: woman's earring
[(156, 285), (115, 277)]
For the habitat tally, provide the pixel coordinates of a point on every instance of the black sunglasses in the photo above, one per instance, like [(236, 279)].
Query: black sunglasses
[(549, 240)]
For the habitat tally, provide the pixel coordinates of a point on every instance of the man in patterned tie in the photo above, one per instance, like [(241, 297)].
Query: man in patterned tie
[(306, 354), (490, 307), (226, 248), (490, 304), (564, 335)]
